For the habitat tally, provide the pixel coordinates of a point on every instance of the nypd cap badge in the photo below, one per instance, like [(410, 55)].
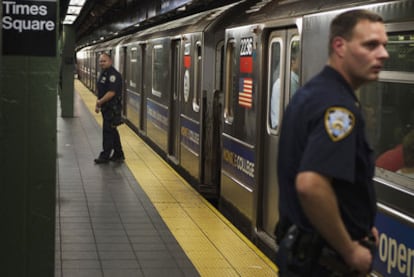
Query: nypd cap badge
[(339, 123)]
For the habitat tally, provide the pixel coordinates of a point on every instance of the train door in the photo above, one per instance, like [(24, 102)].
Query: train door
[(131, 86), (95, 75), (216, 127), (190, 149), (141, 61), (237, 178), (158, 92), (283, 81), (122, 70), (92, 72), (174, 130)]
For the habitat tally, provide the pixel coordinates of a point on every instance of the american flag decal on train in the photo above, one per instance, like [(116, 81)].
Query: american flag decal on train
[(246, 92)]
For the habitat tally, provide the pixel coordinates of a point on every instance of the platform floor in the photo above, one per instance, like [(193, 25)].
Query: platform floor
[(138, 218)]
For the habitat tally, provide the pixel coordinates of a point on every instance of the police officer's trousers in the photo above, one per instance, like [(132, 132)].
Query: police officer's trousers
[(111, 140)]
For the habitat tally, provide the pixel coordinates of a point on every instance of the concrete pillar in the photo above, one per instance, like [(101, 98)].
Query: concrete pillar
[(67, 70), (28, 103)]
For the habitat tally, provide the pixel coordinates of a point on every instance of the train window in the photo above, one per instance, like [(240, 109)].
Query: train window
[(158, 69), (176, 44), (132, 68), (389, 117), (275, 78), (197, 78), (387, 106), (401, 50), (294, 75), (230, 58), (219, 66), (140, 65)]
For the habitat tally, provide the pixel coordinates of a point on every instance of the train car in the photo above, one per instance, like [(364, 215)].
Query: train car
[(287, 42), (84, 67), (200, 90), (173, 75), (263, 46), (81, 66)]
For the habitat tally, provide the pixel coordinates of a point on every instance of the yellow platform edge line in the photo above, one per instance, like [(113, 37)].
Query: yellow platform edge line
[(89, 99)]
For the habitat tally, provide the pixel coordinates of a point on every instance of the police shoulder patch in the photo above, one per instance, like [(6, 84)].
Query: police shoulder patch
[(339, 123), (112, 78)]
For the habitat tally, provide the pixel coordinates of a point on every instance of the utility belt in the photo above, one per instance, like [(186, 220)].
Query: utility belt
[(302, 253), (112, 112)]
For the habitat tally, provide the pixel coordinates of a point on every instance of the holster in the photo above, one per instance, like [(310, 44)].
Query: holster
[(298, 252), (112, 112), (301, 252)]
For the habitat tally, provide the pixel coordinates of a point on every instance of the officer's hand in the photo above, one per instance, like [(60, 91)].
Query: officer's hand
[(359, 259), (375, 234), (98, 105)]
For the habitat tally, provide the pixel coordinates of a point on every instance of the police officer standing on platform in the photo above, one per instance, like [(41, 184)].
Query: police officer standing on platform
[(327, 201), (110, 104)]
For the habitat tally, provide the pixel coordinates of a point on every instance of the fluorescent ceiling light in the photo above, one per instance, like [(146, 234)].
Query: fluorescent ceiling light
[(77, 2), (74, 10), (69, 19)]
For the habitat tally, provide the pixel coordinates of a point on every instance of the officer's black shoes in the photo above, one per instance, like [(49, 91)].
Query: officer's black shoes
[(117, 158), (101, 160)]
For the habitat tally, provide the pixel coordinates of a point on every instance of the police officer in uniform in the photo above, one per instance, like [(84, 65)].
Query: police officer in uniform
[(110, 104), (327, 202)]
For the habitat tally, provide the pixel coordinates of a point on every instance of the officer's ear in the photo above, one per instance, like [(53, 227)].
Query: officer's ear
[(339, 46)]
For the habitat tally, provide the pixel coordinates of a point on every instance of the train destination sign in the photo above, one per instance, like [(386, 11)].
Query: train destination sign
[(29, 28)]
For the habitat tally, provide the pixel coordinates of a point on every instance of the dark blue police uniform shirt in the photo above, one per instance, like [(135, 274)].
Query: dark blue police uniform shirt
[(310, 142), (109, 80)]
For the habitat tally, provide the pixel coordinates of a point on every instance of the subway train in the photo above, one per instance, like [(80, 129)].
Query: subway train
[(198, 89)]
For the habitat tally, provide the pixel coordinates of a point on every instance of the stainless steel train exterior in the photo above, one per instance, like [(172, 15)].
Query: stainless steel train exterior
[(171, 87), (199, 89)]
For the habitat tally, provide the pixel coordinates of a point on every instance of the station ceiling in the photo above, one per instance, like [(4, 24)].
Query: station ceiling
[(99, 19)]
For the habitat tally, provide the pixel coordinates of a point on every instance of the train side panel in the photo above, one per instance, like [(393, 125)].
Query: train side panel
[(157, 91), (239, 127), (280, 78), (191, 105), (133, 84)]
